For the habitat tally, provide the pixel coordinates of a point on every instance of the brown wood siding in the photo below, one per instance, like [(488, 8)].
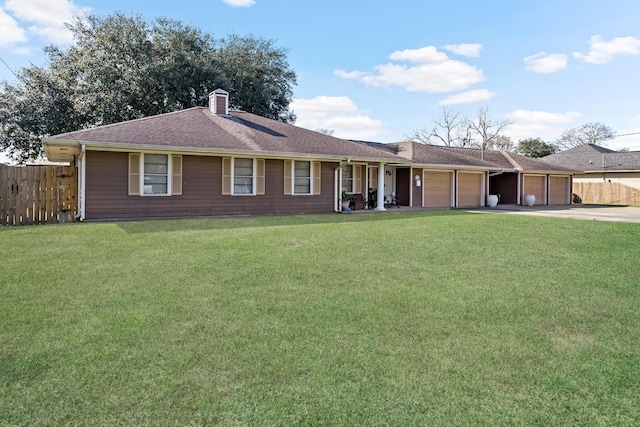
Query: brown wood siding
[(469, 189), (534, 184), (437, 189), (107, 187), (403, 185), (558, 188)]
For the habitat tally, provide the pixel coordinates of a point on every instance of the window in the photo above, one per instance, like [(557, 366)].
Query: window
[(156, 174), (302, 177), (347, 178), (243, 176)]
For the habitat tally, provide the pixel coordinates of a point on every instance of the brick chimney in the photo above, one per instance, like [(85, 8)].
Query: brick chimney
[(219, 102)]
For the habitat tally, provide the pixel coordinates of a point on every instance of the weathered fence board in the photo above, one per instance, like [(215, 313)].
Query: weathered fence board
[(38, 194)]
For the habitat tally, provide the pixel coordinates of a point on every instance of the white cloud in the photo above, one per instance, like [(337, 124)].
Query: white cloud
[(431, 71), (546, 64), (465, 49), (46, 18), (602, 51), (539, 124), (10, 31), (468, 97), (427, 54), (350, 74), (337, 113), (239, 3)]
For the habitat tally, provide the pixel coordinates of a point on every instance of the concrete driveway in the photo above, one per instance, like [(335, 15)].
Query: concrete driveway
[(592, 212)]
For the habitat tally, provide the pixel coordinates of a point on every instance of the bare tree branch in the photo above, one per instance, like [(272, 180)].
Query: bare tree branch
[(590, 133), (487, 128)]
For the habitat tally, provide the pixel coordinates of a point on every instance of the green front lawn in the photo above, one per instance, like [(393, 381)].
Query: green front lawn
[(397, 318)]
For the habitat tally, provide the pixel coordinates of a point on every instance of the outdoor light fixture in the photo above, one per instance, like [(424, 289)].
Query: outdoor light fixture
[(418, 182)]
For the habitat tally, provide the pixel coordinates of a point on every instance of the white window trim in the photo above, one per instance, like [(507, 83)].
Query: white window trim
[(169, 174), (293, 178), (254, 171)]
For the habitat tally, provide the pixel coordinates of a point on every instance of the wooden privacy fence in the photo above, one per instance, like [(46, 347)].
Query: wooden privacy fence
[(38, 194), (607, 193)]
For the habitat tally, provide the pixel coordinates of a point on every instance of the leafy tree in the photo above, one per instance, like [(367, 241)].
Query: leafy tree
[(121, 68), (535, 147), (589, 133)]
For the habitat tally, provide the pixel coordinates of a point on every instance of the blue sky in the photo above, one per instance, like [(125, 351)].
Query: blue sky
[(380, 70)]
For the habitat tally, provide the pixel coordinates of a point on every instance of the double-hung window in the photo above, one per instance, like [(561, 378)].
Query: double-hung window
[(153, 174), (302, 177), (156, 174), (243, 176), (347, 178)]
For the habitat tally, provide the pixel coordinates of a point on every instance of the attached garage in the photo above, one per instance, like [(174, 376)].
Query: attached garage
[(469, 189), (437, 189), (559, 190), (536, 185)]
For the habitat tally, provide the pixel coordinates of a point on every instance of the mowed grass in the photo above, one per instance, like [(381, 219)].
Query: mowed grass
[(401, 318)]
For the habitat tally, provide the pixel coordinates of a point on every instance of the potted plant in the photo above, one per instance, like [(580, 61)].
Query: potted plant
[(346, 200)]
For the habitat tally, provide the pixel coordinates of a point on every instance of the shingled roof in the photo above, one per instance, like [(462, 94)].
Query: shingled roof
[(594, 158), (437, 155), (199, 130), (434, 155)]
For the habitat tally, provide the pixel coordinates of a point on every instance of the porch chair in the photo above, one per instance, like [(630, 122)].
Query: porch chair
[(391, 200), (358, 202)]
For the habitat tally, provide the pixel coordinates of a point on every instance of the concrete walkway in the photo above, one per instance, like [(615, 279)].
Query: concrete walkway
[(592, 212)]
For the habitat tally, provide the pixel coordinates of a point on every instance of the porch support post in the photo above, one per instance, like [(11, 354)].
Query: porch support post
[(380, 196)]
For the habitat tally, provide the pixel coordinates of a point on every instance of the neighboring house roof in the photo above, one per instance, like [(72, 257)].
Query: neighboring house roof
[(593, 158), (199, 130)]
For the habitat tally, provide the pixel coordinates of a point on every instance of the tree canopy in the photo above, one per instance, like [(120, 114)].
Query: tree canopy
[(589, 133), (123, 67), (535, 147)]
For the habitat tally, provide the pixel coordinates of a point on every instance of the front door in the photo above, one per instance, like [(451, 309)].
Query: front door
[(389, 182)]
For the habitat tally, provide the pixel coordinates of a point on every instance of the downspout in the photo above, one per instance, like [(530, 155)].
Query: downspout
[(337, 184), (82, 169)]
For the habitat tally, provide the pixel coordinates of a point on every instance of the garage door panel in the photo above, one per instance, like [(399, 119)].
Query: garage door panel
[(469, 189), (437, 189), (558, 190), (534, 184)]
